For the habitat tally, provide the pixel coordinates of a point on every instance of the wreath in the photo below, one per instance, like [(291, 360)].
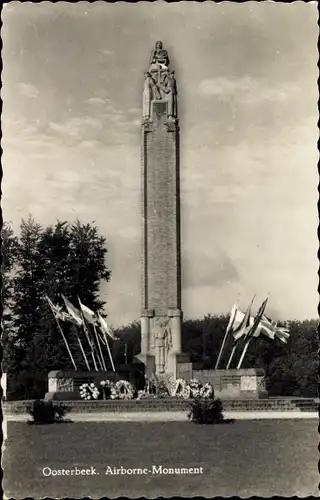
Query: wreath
[(195, 388), (182, 389), (89, 391), (207, 391), (107, 388), (124, 389)]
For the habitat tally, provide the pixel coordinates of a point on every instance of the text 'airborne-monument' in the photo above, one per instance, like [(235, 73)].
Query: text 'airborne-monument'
[(161, 273)]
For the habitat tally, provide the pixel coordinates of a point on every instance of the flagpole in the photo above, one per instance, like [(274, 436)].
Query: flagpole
[(87, 334), (102, 328), (62, 334), (243, 353), (109, 352), (99, 346), (231, 356), (83, 353), (227, 333), (90, 345), (65, 340), (253, 330)]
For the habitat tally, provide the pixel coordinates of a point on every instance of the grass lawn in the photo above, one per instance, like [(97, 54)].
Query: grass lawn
[(274, 457)]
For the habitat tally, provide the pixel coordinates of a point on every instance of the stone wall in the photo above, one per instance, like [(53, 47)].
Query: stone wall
[(229, 384), (65, 385)]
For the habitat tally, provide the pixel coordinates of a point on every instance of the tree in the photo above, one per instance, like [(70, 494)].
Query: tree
[(128, 344), (59, 259)]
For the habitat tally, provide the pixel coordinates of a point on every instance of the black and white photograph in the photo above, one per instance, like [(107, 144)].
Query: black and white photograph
[(159, 249)]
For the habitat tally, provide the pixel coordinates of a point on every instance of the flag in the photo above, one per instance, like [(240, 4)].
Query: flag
[(282, 334), (251, 330), (242, 324), (105, 328), (265, 328), (73, 312), (57, 311), (233, 315), (88, 314), (272, 330)]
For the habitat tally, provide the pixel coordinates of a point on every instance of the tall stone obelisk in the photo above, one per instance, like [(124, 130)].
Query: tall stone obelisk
[(161, 266)]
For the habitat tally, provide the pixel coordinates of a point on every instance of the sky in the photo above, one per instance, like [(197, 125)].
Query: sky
[(247, 89)]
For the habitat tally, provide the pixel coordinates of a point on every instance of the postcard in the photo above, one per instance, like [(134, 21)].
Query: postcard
[(159, 242)]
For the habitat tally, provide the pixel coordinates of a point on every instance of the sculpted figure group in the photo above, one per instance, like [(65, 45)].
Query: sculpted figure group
[(160, 83)]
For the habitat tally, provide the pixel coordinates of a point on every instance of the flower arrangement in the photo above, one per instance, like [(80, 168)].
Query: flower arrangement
[(107, 389), (124, 389), (156, 387), (182, 389), (207, 391), (146, 395), (195, 388), (89, 391)]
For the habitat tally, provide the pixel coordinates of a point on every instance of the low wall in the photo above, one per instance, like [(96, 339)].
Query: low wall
[(171, 405), (227, 384), (65, 385), (231, 384)]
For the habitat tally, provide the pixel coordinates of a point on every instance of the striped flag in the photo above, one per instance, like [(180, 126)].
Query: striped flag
[(73, 312)]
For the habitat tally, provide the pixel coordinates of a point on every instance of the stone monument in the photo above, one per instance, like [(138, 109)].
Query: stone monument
[(161, 264)]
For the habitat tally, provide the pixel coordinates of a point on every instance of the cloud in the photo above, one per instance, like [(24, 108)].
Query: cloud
[(27, 90), (77, 128), (97, 100), (208, 267), (106, 52), (247, 89)]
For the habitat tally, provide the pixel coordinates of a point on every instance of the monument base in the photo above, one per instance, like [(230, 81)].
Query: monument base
[(178, 365), (149, 362), (65, 385), (234, 384)]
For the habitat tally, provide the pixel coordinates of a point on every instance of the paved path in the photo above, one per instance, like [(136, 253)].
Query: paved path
[(172, 416)]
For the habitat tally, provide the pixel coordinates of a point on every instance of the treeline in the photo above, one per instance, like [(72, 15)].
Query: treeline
[(63, 258), (70, 259), (291, 369)]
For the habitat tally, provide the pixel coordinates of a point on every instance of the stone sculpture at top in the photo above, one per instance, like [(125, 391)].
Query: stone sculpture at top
[(160, 84), (159, 56)]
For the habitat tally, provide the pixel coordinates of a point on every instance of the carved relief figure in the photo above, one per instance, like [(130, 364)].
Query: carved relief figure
[(163, 342), (147, 96), (172, 93)]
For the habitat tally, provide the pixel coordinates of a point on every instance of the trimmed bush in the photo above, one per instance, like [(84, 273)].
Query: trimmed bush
[(45, 412), (206, 411)]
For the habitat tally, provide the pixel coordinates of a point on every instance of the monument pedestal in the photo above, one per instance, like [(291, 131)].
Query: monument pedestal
[(149, 362)]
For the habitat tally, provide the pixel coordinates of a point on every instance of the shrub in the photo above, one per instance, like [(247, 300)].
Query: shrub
[(45, 412), (206, 411)]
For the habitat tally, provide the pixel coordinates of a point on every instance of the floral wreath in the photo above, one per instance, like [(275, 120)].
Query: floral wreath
[(195, 388), (107, 388), (207, 391), (124, 389), (89, 391), (182, 389)]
